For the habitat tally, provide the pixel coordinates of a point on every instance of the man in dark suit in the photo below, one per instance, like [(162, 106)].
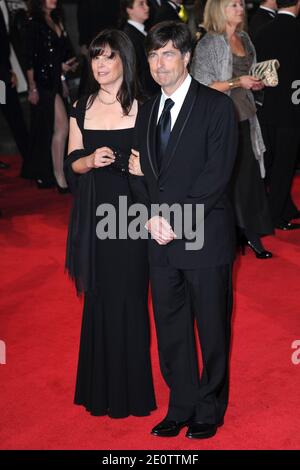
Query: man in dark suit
[(135, 13), (263, 15), (169, 11), (280, 113), (154, 5), (187, 137), (11, 109)]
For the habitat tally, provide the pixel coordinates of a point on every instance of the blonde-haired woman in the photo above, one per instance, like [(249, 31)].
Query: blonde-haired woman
[(222, 60)]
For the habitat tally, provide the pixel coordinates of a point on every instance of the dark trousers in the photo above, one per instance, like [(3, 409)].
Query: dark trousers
[(282, 146), (13, 114), (179, 297)]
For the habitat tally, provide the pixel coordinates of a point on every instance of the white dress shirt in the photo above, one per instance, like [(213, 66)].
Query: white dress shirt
[(138, 26), (286, 13), (269, 10), (178, 97)]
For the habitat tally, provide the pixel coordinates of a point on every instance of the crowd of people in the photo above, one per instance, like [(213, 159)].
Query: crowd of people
[(193, 126)]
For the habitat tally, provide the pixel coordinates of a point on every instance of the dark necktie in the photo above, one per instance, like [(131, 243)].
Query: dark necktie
[(163, 131)]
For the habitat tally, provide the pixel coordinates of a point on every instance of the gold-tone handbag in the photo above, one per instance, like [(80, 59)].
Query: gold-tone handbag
[(266, 71)]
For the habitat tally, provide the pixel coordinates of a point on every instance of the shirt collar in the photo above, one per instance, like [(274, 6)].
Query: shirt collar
[(138, 26), (179, 94), (268, 9), (284, 12), (174, 5)]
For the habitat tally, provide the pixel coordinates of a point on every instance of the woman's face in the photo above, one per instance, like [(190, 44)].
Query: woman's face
[(107, 69), (235, 12), (50, 4), (139, 11)]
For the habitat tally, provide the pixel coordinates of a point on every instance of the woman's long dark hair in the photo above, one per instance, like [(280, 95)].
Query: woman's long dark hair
[(120, 44), (35, 10)]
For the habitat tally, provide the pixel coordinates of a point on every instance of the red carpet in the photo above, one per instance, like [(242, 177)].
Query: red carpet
[(40, 324)]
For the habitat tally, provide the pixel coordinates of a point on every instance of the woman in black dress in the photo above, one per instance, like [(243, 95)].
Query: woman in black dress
[(49, 57), (114, 372)]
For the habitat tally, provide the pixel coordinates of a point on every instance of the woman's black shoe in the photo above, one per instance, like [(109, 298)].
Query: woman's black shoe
[(261, 254), (62, 190)]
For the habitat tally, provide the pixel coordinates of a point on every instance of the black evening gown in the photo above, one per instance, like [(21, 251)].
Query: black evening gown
[(114, 372), (45, 53)]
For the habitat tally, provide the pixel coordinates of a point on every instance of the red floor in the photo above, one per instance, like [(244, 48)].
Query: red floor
[(40, 324)]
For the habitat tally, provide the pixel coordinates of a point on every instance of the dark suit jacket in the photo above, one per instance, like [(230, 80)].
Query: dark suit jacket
[(196, 170), (280, 40), (138, 39), (153, 7), (5, 66), (166, 13), (260, 19)]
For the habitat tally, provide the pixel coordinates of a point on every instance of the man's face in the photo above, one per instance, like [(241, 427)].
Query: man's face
[(168, 66)]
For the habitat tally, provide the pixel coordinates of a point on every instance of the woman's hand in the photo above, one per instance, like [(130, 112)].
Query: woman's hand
[(33, 96), (70, 65), (249, 83), (258, 86), (134, 163), (103, 156)]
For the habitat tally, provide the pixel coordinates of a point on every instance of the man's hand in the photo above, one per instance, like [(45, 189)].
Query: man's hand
[(134, 163), (160, 230)]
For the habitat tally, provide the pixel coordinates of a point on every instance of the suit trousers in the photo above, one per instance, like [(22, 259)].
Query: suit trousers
[(179, 298), (282, 146)]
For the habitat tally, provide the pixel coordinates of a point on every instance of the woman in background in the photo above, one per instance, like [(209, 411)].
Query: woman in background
[(48, 58), (222, 60)]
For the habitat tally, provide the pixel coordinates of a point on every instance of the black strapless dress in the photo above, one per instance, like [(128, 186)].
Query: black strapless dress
[(114, 372)]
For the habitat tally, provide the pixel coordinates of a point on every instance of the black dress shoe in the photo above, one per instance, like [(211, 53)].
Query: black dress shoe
[(288, 226), (202, 430), (168, 428), (4, 166)]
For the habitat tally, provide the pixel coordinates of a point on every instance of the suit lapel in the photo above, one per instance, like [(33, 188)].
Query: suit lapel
[(179, 126), (151, 136)]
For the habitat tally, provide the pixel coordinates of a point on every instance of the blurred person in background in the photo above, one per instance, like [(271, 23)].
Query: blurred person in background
[(48, 58), (133, 14), (168, 11), (280, 113), (222, 61), (10, 106), (263, 15)]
